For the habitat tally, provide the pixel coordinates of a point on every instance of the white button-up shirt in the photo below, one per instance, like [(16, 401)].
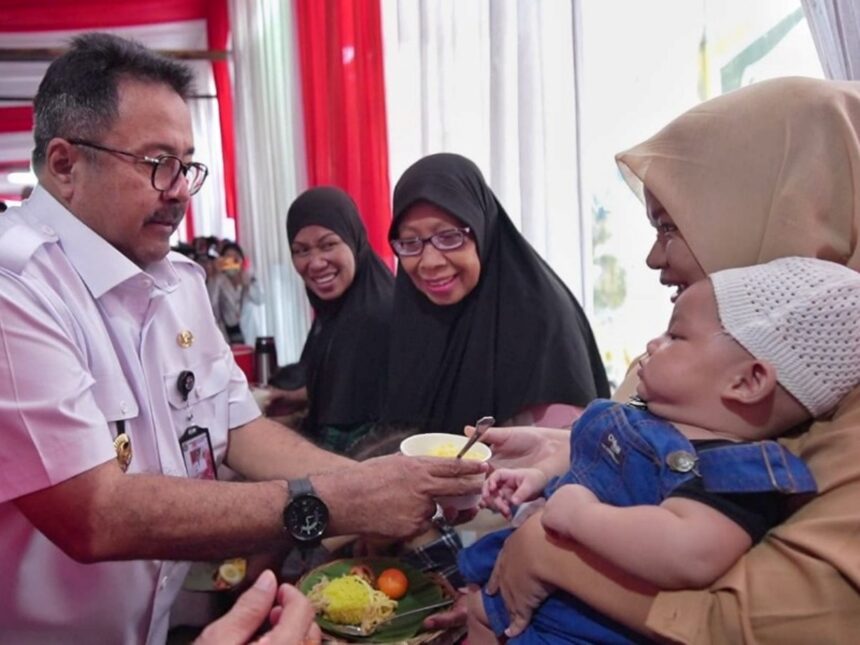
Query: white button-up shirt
[(87, 339)]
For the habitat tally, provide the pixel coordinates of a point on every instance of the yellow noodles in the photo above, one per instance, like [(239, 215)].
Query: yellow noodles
[(350, 600)]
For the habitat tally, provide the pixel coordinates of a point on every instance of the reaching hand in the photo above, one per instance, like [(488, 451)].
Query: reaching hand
[(523, 447), (507, 488), (453, 617), (290, 613)]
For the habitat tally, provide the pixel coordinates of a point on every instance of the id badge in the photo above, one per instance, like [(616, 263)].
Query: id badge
[(197, 453)]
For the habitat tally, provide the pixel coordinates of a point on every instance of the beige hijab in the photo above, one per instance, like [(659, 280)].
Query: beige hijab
[(766, 171)]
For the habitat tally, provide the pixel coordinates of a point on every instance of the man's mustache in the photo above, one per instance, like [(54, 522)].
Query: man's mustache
[(170, 216)]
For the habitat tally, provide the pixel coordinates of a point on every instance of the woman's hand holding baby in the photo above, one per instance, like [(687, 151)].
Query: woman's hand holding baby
[(521, 576)]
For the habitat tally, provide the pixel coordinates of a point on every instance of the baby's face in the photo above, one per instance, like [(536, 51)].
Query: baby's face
[(686, 368)]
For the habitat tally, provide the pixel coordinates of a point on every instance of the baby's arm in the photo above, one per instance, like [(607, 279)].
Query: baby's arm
[(680, 544), (509, 487)]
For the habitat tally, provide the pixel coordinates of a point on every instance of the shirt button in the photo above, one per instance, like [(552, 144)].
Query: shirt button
[(47, 229), (163, 583), (123, 407)]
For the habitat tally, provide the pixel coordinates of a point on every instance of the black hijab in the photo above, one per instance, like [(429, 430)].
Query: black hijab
[(346, 351), (519, 339)]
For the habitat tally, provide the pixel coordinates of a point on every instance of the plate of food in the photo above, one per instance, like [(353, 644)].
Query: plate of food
[(368, 594)]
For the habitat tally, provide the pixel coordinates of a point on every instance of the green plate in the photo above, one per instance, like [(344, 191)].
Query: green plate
[(423, 590)]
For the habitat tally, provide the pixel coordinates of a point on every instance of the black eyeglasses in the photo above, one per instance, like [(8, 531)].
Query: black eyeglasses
[(448, 240), (165, 168)]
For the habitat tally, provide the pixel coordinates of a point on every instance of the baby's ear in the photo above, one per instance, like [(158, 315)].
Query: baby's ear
[(754, 381)]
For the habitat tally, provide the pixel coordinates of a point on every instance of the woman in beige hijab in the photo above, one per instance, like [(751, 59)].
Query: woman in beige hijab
[(768, 171)]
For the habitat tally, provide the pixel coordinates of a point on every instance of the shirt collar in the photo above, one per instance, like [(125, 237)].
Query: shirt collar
[(101, 266)]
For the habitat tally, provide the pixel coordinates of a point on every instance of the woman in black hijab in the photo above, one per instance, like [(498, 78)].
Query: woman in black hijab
[(345, 355), (482, 325)]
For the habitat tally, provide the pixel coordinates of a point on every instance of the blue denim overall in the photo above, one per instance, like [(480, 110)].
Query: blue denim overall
[(627, 456)]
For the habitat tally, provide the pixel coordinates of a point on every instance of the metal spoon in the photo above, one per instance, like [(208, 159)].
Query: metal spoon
[(480, 426), (356, 630)]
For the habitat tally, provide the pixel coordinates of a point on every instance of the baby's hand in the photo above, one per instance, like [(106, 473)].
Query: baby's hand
[(561, 507), (507, 488)]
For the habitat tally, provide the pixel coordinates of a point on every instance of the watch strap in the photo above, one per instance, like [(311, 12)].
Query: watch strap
[(299, 487)]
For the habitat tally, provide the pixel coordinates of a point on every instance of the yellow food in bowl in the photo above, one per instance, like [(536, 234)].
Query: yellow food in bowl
[(451, 449)]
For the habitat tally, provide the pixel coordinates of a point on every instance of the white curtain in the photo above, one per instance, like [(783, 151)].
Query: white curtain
[(496, 81), (270, 161), (209, 206), (22, 80), (835, 26)]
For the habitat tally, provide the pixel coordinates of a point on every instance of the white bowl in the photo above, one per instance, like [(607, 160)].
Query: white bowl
[(442, 444)]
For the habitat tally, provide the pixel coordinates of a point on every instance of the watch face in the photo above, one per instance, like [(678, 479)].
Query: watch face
[(306, 517)]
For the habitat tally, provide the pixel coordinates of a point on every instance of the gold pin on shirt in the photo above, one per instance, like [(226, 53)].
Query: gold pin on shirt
[(185, 339), (122, 445)]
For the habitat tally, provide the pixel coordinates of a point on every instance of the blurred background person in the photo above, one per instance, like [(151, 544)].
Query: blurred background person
[(234, 291)]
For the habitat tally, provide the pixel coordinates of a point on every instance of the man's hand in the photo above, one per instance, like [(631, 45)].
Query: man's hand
[(517, 575), (291, 614), (392, 496)]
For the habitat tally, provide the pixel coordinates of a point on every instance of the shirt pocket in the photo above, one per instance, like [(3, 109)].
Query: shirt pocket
[(116, 400), (207, 404)]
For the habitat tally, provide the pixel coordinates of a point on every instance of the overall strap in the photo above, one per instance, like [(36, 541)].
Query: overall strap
[(757, 467)]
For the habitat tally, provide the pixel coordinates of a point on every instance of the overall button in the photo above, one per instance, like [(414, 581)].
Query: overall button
[(681, 461)]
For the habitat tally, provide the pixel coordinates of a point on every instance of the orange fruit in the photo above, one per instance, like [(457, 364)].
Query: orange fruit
[(393, 583)]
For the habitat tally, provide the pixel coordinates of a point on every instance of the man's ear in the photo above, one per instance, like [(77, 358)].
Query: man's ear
[(60, 159), (754, 381)]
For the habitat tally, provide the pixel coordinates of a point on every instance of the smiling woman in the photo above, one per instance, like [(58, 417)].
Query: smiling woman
[(481, 326), (350, 289), (438, 254)]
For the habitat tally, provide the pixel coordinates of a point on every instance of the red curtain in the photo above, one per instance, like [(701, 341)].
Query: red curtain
[(217, 31), (343, 94), (47, 15), (16, 119)]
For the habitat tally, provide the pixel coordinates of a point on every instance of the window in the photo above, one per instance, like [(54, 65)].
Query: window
[(644, 64)]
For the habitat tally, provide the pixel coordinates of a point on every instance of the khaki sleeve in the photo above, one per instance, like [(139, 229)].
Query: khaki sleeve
[(800, 584)]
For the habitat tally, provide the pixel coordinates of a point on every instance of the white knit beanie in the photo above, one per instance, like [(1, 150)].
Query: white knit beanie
[(802, 315)]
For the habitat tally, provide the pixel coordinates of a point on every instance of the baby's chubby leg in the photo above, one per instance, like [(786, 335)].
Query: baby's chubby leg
[(477, 621)]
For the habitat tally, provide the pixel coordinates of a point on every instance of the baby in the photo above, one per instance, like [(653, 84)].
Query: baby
[(676, 485)]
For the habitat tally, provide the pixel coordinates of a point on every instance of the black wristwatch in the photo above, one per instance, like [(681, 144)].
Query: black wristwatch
[(305, 515)]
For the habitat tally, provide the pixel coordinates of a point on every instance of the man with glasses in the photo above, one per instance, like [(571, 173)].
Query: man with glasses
[(117, 383)]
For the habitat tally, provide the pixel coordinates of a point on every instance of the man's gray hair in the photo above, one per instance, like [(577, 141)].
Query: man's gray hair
[(78, 97)]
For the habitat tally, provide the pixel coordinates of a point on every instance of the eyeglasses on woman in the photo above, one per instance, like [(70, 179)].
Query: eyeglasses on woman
[(448, 240)]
